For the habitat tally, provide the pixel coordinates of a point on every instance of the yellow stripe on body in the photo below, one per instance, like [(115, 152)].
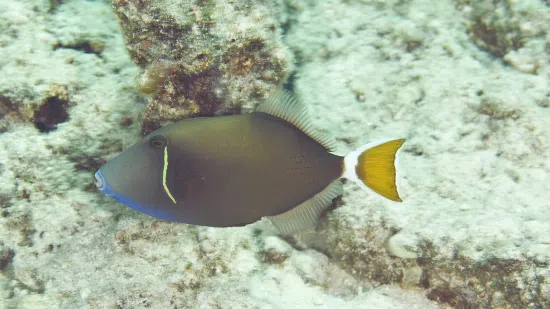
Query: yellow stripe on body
[(164, 175)]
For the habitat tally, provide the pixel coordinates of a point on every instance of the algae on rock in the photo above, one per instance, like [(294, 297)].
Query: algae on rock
[(201, 58), (515, 31)]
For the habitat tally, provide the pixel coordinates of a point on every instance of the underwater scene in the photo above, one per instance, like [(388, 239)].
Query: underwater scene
[(308, 154)]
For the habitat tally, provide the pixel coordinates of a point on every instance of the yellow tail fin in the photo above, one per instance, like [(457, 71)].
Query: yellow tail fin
[(374, 166)]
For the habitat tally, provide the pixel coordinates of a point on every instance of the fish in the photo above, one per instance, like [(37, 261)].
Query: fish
[(234, 170)]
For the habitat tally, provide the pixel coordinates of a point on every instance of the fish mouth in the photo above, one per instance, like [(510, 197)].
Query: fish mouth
[(150, 210), (103, 186), (99, 181)]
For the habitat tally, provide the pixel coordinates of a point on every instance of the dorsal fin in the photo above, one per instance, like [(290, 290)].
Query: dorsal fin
[(306, 214), (282, 104)]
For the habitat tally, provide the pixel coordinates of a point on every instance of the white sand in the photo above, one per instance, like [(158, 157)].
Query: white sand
[(475, 172), (474, 185), (477, 179)]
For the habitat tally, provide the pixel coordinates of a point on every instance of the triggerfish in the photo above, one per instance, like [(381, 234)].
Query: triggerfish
[(233, 170)]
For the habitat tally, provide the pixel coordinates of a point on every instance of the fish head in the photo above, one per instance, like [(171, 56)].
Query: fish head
[(137, 176)]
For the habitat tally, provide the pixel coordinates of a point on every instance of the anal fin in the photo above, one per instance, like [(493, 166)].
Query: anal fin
[(307, 214)]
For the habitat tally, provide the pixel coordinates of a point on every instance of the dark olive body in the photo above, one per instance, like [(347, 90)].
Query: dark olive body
[(223, 171)]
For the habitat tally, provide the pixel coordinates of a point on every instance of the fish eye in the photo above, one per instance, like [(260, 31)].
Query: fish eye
[(157, 141)]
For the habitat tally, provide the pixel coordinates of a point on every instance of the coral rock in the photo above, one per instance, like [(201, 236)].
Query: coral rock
[(201, 58)]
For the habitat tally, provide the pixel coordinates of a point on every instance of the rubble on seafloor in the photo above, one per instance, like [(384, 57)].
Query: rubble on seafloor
[(466, 82), (473, 230)]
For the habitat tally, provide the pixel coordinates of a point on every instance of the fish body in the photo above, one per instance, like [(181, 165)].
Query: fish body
[(234, 170)]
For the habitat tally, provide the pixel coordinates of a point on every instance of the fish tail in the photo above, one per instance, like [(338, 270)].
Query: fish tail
[(374, 166)]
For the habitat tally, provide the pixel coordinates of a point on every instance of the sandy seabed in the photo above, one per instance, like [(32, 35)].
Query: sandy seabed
[(467, 83)]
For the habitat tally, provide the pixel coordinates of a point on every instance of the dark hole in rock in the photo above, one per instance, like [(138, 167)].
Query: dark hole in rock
[(90, 164), (85, 47), (6, 106), (6, 257), (443, 295), (126, 121), (425, 280), (89, 47), (52, 112)]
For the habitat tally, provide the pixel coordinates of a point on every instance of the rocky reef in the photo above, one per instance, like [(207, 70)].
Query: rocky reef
[(473, 230), (203, 58), (515, 31), (466, 82)]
